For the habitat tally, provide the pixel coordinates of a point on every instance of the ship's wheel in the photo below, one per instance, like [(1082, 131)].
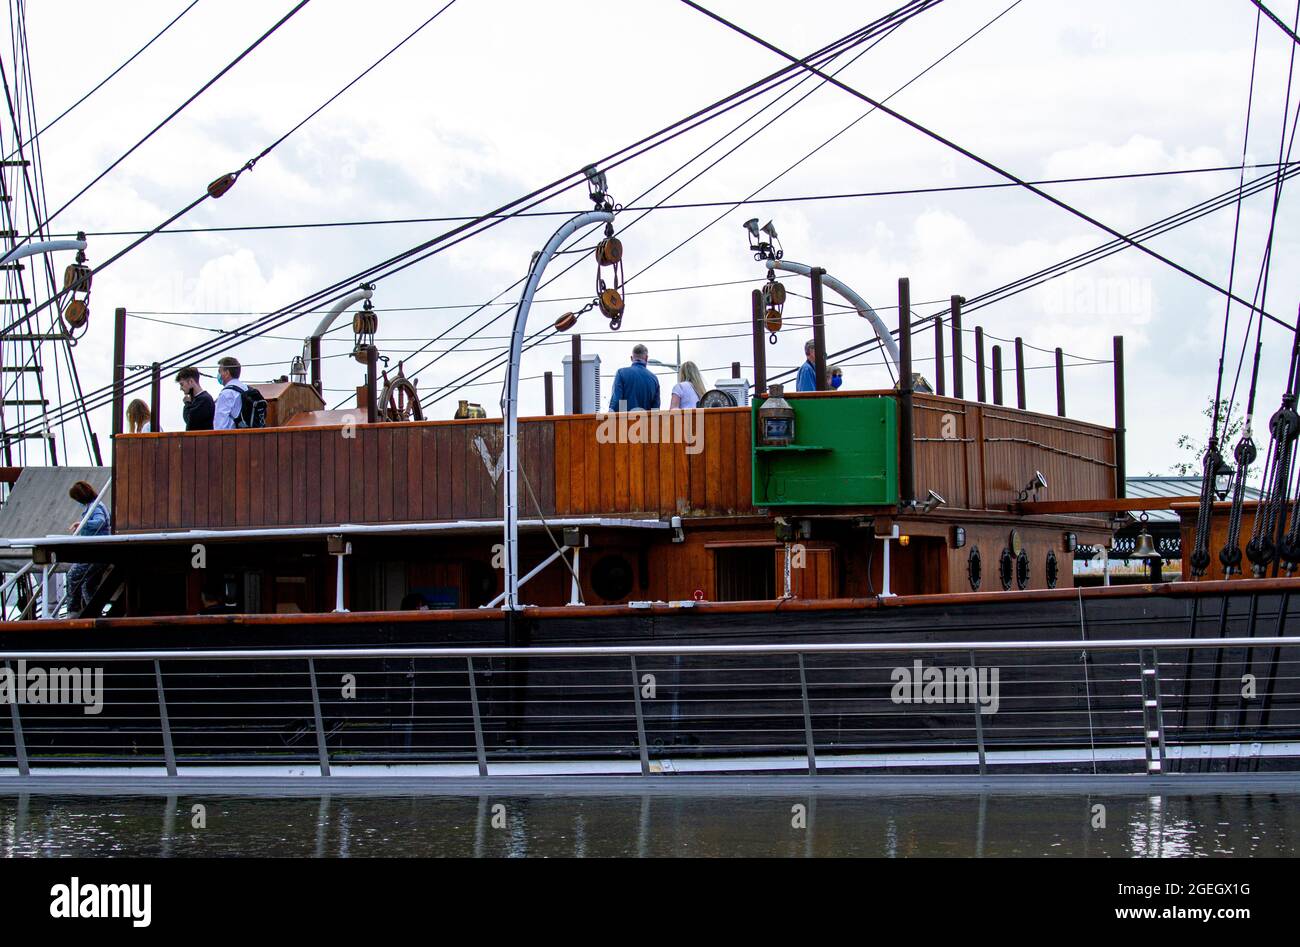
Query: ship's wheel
[(400, 401)]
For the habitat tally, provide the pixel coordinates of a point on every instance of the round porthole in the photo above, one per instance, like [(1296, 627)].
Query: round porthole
[(1053, 570), (974, 569), (1022, 569), (1006, 568), (611, 578)]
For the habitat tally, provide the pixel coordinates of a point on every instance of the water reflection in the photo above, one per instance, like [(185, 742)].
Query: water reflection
[(502, 825)]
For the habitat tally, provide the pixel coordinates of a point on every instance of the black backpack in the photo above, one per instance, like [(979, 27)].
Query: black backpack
[(252, 408)]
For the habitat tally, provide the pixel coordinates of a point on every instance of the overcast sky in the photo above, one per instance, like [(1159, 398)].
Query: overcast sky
[(498, 97)]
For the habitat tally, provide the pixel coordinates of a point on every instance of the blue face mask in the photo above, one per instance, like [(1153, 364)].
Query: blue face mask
[(837, 380)]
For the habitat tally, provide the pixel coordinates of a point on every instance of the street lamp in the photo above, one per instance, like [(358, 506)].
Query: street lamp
[(603, 214)]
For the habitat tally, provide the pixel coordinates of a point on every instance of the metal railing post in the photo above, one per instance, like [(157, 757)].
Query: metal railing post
[(979, 726), (169, 749), (807, 719), (20, 745), (480, 749), (321, 750), (640, 720)]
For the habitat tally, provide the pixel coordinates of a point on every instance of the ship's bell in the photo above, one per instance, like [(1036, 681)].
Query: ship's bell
[(1145, 548)]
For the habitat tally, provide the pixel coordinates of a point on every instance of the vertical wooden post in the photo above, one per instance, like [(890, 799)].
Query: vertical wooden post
[(548, 381), (819, 328), (1020, 373), (958, 368), (1120, 473), (939, 388), (119, 392), (119, 369), (1060, 383), (576, 378), (760, 342), (997, 374), (316, 381), (155, 398), (980, 393), (906, 446), (372, 384)]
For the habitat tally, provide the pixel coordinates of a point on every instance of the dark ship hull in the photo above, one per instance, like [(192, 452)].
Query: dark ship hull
[(1056, 707)]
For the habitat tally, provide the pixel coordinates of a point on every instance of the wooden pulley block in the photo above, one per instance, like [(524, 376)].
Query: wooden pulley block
[(773, 320), (76, 314), (566, 322), (776, 294), (365, 322), (221, 185), (611, 303), (609, 251), (76, 278), (362, 353)]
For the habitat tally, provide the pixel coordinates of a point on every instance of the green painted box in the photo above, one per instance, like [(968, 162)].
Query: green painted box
[(845, 453)]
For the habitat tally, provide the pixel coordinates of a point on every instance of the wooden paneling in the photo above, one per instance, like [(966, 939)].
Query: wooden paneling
[(980, 456), (433, 470)]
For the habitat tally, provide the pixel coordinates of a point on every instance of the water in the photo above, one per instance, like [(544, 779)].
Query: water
[(656, 824)]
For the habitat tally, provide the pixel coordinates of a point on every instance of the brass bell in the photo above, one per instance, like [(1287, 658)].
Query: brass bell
[(1145, 548)]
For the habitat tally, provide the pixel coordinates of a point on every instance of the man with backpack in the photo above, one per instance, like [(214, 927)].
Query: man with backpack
[(238, 405)]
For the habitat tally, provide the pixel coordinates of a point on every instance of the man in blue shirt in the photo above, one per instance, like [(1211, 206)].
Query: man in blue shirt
[(807, 380), (635, 387)]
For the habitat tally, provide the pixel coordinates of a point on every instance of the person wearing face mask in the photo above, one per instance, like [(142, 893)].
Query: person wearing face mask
[(837, 376)]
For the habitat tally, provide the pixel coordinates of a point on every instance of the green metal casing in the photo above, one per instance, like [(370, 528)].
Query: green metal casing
[(845, 454)]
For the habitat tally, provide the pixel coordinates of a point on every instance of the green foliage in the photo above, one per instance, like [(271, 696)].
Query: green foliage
[(1191, 467)]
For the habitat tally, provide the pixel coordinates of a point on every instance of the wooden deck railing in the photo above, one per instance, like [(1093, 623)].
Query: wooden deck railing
[(976, 456)]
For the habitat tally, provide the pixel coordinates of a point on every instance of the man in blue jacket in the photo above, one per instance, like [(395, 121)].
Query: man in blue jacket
[(807, 380), (635, 387)]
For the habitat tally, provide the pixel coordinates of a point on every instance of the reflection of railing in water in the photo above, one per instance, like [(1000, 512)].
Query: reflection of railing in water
[(1106, 704)]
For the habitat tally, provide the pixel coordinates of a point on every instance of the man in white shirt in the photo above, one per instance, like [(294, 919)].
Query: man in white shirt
[(230, 402)]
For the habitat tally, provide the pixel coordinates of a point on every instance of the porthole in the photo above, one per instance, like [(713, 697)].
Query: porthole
[(611, 578), (1053, 569), (1022, 569), (974, 569), (1006, 567)]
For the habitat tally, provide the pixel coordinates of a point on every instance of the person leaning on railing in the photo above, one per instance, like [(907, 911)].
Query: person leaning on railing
[(83, 577)]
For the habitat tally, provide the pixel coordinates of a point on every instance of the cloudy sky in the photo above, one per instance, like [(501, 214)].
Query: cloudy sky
[(498, 97)]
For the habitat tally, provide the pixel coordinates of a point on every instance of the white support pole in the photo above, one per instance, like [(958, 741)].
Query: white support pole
[(575, 590), (42, 246), (47, 593), (536, 569), (857, 302), (884, 584), (786, 594), (338, 582), (510, 393)]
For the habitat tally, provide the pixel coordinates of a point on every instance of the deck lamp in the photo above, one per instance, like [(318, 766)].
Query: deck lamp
[(1071, 542), (958, 537), (1222, 479)]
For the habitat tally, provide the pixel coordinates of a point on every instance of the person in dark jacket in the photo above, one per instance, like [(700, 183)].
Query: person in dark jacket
[(199, 406), (635, 387)]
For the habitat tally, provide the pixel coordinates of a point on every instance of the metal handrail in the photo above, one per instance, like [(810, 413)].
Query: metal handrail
[(858, 647)]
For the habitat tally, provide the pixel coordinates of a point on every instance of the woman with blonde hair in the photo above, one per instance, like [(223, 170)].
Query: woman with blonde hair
[(138, 417), (689, 388)]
